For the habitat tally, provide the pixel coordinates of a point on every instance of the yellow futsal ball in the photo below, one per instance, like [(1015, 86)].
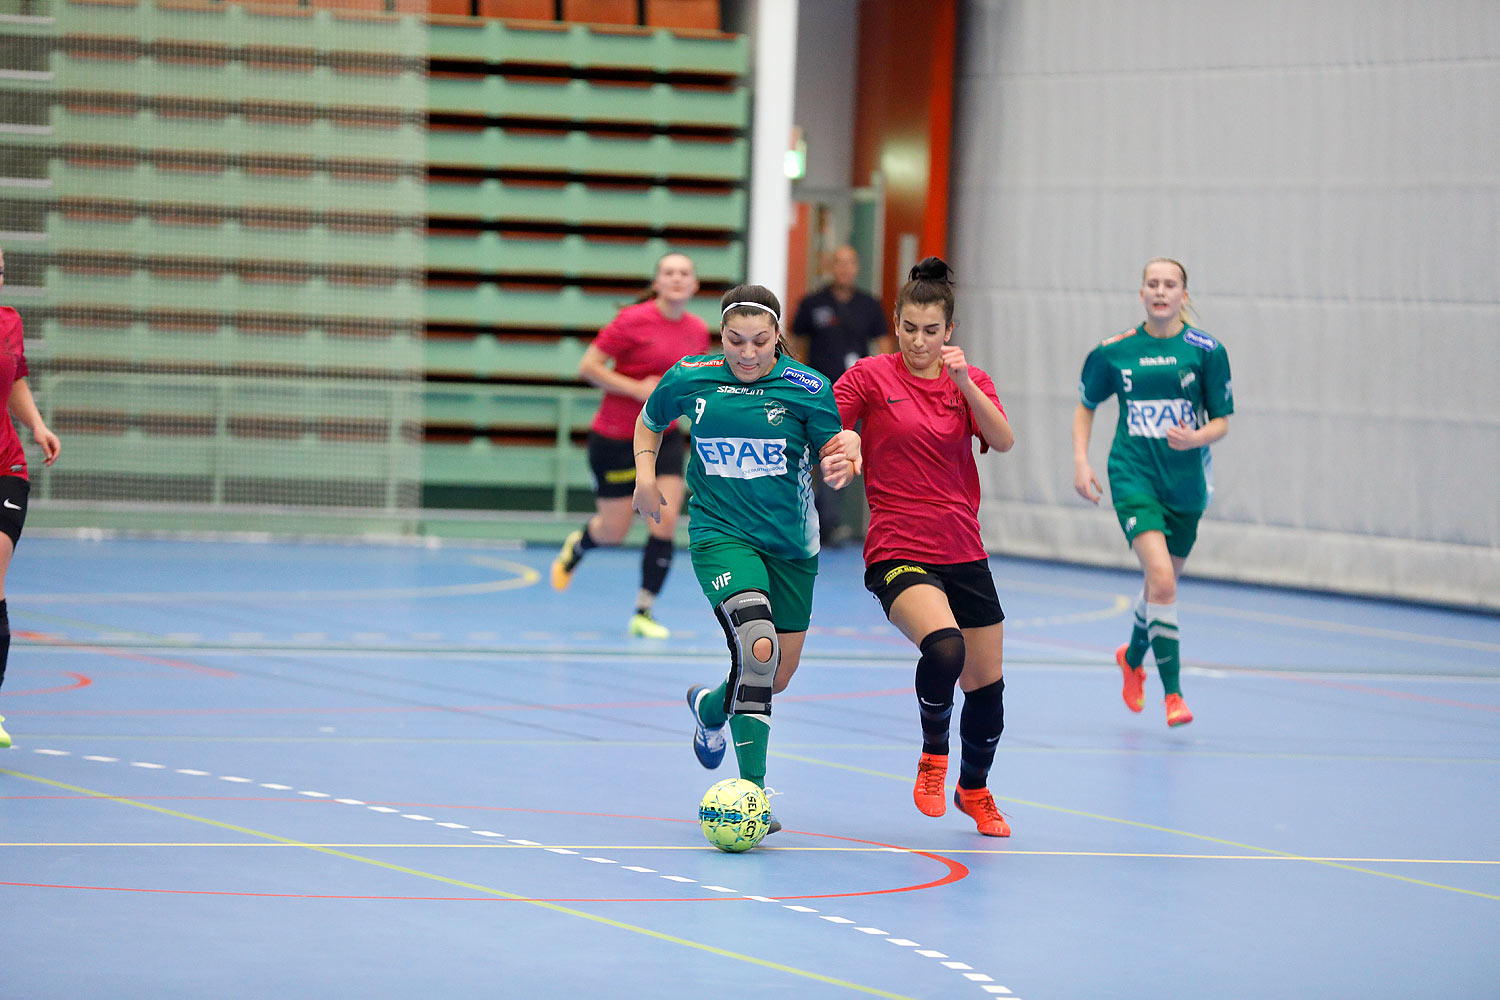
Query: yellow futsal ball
[(734, 815)]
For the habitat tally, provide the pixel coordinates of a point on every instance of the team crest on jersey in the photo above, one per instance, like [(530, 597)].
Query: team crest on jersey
[(1199, 339), (775, 412), (711, 363), (806, 380)]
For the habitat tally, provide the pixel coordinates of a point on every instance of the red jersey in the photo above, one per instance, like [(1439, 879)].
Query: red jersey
[(642, 342), (12, 367), (920, 476)]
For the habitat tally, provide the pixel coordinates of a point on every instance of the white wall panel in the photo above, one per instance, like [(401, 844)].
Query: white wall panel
[(1330, 174)]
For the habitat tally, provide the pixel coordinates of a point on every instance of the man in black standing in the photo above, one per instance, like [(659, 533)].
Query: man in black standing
[(835, 327)]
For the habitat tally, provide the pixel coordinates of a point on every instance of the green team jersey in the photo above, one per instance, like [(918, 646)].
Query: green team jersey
[(1182, 379), (754, 447)]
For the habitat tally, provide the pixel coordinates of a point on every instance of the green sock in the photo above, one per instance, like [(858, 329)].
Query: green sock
[(1140, 639), (752, 735), (1163, 631), (711, 706)]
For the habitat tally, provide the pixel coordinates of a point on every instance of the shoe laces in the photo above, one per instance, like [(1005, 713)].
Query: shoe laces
[(930, 777), (985, 803)]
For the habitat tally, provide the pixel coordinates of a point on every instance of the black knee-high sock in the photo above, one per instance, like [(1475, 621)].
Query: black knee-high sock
[(4, 638), (584, 543), (979, 729), (656, 560), (937, 671)]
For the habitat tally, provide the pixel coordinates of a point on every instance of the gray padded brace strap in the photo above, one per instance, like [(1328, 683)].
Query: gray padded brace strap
[(746, 618)]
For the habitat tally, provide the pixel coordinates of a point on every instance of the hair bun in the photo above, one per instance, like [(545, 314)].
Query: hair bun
[(931, 269)]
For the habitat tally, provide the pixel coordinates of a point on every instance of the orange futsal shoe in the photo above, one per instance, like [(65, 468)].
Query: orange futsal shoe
[(1178, 713), (928, 794), (980, 805), (1134, 691)]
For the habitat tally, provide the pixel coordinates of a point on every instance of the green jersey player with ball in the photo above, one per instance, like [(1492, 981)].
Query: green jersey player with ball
[(1172, 381), (760, 421)]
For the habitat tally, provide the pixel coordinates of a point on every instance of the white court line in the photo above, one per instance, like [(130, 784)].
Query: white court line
[(977, 977)]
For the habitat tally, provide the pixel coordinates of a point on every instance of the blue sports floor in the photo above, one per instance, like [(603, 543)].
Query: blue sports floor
[(366, 770)]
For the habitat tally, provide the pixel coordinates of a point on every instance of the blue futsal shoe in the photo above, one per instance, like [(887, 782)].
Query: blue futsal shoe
[(708, 744)]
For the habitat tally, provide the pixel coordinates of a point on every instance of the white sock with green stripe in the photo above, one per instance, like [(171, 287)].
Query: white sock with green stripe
[(1162, 628)]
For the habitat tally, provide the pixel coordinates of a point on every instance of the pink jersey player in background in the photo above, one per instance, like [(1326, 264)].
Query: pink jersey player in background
[(15, 485)]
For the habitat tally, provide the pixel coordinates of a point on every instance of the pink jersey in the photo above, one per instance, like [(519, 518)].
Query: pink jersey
[(920, 476), (12, 367), (642, 342)]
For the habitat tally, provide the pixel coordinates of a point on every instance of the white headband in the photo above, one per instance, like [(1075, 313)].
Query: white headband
[(753, 305)]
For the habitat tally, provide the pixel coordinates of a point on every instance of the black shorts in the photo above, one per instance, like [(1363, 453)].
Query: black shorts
[(13, 493), (612, 462), (969, 586)]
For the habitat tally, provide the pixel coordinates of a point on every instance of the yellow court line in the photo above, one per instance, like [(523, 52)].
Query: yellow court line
[(851, 849), (1119, 605), (476, 741), (459, 883), (1267, 617), (1285, 855), (524, 576)]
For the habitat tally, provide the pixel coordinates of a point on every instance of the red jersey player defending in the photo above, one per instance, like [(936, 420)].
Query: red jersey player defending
[(14, 484), (919, 410)]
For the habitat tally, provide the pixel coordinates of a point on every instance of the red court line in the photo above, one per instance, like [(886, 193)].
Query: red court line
[(299, 799), (956, 871), (414, 899), (79, 681), (160, 661), (391, 709), (1399, 695)]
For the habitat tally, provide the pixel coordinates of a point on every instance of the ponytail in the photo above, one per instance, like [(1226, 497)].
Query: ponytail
[(930, 282)]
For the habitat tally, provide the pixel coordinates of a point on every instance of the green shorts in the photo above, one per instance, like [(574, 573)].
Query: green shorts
[(1144, 513), (726, 566)]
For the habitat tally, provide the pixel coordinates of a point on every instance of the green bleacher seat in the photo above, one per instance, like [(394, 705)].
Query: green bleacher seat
[(219, 24), (235, 135), (481, 462), (486, 355), (584, 100), (311, 348), (524, 407), (574, 256), (236, 187), (583, 48), (232, 240), (239, 81), (315, 296), (581, 152), (569, 307), (575, 203)]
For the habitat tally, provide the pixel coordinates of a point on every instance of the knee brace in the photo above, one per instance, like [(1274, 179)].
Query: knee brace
[(746, 620)]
